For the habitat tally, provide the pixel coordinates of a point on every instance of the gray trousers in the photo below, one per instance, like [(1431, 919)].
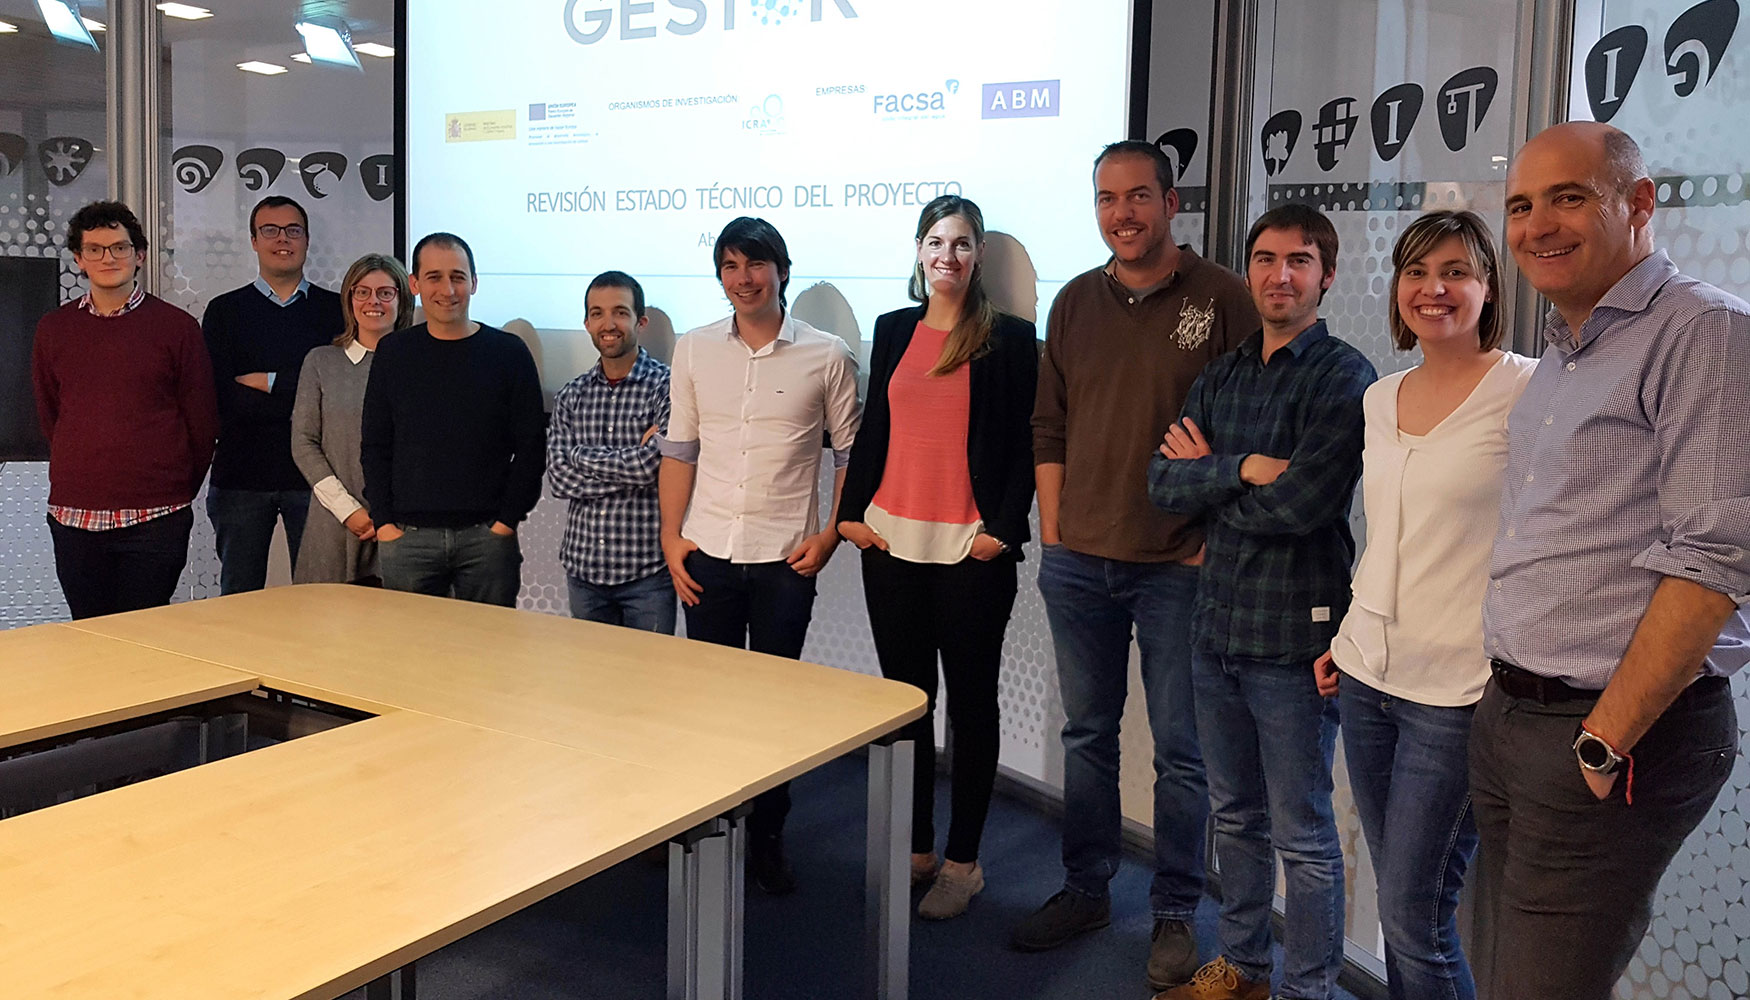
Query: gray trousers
[(1565, 881)]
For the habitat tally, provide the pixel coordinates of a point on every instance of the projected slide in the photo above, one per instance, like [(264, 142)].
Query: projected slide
[(562, 138)]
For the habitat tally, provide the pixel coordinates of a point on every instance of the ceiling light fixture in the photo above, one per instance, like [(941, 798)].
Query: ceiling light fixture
[(328, 40), (374, 49), (95, 26), (264, 68), (301, 57), (63, 21), (184, 11), (8, 29)]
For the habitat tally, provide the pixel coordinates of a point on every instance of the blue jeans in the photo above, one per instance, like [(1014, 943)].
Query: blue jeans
[(243, 532), (1269, 740), (646, 603), (1092, 604), (1409, 767), (469, 564), (765, 607)]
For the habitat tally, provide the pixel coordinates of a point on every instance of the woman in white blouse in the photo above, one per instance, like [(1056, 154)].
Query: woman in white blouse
[(1410, 650)]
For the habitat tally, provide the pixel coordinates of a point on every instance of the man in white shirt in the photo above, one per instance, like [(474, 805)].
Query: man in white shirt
[(750, 397)]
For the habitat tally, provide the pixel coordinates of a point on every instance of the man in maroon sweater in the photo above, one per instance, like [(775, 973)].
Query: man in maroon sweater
[(124, 390)]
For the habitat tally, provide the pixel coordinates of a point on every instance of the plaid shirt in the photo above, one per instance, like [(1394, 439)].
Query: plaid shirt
[(109, 520), (595, 460), (1275, 578)]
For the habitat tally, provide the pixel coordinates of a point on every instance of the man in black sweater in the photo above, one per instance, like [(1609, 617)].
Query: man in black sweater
[(454, 440), (257, 337)]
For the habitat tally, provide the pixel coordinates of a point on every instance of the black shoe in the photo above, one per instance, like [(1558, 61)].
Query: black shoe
[(767, 867), (1063, 917), (1172, 955)]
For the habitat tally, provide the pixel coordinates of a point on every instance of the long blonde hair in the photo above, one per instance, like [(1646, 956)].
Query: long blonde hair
[(970, 337), (355, 274)]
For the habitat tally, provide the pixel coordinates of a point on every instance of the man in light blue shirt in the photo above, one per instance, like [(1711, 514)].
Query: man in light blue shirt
[(1621, 567)]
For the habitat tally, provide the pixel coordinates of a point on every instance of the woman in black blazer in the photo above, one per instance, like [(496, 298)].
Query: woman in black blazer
[(937, 495)]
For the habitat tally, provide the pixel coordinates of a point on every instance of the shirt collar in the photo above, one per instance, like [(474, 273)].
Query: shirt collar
[(1254, 345), (1632, 293), (355, 352), (786, 331), (137, 296), (266, 289), (641, 367), (1186, 256)]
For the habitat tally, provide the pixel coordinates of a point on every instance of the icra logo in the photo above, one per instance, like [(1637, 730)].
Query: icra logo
[(638, 18), (1028, 99)]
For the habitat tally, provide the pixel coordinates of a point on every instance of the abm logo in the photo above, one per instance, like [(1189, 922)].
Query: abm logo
[(639, 19), (1028, 99)]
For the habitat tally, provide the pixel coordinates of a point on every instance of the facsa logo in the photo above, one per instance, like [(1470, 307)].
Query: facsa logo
[(1029, 99), (918, 104), (637, 18)]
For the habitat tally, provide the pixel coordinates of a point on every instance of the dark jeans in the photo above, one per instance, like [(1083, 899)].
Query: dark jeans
[(1269, 739), (764, 607), (469, 564), (243, 532), (1092, 604), (647, 604), (959, 611), (1567, 879), (1410, 772), (124, 569)]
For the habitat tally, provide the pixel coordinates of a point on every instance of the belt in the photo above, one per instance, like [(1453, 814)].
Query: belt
[(1521, 683)]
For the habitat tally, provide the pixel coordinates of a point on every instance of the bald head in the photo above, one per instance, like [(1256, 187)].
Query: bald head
[(1579, 213), (1616, 154)]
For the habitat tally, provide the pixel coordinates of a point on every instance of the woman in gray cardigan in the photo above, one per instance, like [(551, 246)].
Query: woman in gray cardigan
[(339, 539)]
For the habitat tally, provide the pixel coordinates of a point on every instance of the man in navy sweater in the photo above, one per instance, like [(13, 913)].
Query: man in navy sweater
[(454, 440), (125, 397), (257, 336)]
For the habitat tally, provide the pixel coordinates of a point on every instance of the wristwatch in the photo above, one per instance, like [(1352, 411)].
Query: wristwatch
[(1594, 754)]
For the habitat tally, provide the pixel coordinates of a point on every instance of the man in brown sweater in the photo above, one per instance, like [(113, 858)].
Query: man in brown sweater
[(124, 391), (1123, 345)]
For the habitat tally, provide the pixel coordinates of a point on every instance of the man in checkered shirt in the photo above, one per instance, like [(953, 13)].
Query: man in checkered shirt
[(602, 458)]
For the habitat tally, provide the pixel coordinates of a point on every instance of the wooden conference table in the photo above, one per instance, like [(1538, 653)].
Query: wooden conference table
[(509, 756)]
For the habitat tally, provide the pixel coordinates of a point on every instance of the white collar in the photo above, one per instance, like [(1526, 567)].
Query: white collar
[(355, 352)]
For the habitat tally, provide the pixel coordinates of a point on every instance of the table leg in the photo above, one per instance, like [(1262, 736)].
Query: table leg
[(887, 875), (706, 895), (397, 985)]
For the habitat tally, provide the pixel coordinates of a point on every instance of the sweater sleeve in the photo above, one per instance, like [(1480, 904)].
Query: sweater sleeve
[(43, 378), (237, 401), (377, 437), (528, 435), (1051, 402), (307, 425), (196, 399)]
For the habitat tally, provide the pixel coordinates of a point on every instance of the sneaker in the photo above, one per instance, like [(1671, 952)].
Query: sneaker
[(1218, 981), (766, 864), (950, 893), (1172, 955), (1063, 917)]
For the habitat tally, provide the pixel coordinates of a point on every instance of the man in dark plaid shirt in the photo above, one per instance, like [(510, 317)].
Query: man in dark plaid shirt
[(602, 457), (1268, 451)]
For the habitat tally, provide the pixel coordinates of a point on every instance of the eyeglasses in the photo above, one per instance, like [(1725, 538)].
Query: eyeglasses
[(269, 231), (92, 253), (387, 293)]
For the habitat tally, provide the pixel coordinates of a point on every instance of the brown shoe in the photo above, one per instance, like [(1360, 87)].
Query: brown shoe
[(1218, 980)]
